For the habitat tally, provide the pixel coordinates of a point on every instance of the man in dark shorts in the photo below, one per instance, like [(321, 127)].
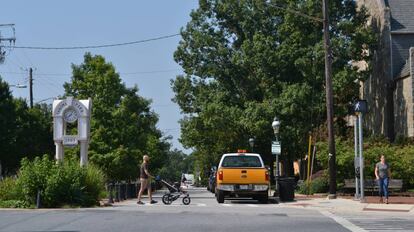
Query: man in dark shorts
[(145, 179)]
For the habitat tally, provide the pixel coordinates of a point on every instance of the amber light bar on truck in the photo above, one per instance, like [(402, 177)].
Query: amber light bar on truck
[(241, 152)]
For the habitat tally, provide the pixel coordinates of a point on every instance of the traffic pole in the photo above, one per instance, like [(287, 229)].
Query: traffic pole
[(361, 159), (356, 161)]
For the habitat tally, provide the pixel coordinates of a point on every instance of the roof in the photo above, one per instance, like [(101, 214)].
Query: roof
[(402, 16), (405, 71)]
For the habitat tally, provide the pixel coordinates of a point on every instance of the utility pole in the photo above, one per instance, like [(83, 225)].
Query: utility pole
[(11, 40), (329, 102), (31, 87)]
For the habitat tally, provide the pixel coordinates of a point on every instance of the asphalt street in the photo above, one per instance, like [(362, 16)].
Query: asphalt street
[(203, 214)]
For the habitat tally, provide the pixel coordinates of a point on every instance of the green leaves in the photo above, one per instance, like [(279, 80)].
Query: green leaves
[(24, 132), (59, 184), (248, 61), (123, 127)]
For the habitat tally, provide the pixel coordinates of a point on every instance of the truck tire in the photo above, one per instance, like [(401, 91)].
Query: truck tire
[(220, 196), (263, 199)]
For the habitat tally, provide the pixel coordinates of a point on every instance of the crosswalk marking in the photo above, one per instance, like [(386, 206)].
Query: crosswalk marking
[(342, 221), (380, 223)]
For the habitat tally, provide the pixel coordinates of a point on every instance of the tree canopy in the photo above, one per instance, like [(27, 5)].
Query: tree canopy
[(123, 127), (247, 61), (24, 131)]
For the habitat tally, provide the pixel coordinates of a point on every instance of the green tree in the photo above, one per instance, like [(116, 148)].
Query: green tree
[(24, 132), (123, 127), (247, 61), (177, 164), (7, 126)]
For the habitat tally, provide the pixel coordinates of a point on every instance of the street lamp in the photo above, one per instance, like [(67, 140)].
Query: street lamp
[(251, 143), (276, 126), (19, 86)]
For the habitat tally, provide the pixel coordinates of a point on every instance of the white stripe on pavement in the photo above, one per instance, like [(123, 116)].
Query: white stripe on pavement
[(343, 222), (227, 205), (250, 205), (201, 204)]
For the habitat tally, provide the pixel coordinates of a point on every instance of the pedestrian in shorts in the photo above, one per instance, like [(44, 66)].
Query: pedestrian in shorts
[(145, 179)]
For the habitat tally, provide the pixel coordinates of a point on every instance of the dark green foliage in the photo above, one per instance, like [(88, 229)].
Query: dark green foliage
[(400, 158), (24, 132), (59, 184), (123, 126), (318, 185), (177, 164), (9, 190), (246, 62), (14, 204)]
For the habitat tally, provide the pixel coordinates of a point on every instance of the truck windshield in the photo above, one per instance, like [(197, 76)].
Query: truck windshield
[(241, 161)]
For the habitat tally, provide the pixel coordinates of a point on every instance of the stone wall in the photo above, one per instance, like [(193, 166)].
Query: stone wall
[(404, 101), (376, 89)]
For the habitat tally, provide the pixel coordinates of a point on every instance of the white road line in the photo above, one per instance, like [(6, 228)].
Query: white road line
[(201, 204), (227, 205), (343, 222), (250, 205)]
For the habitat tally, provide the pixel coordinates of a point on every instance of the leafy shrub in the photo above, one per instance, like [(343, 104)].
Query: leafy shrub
[(14, 204), (60, 184), (318, 185), (9, 189), (400, 158)]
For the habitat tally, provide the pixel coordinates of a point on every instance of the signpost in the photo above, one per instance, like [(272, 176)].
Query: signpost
[(276, 148), (360, 107)]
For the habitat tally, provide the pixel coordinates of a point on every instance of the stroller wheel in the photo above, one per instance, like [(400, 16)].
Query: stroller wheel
[(166, 199), (186, 200)]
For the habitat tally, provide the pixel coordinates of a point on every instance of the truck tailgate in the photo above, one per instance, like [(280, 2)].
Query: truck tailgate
[(244, 176)]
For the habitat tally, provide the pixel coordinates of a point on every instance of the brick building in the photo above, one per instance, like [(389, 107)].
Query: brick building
[(389, 90)]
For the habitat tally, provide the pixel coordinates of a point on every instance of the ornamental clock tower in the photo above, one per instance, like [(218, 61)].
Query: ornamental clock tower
[(70, 111)]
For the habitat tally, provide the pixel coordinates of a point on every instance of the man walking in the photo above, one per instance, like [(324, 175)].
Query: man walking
[(145, 179)]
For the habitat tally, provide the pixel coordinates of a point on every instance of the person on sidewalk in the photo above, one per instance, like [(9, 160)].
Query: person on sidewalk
[(145, 179), (382, 174)]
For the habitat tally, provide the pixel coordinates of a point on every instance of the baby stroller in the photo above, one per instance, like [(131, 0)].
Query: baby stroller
[(174, 192)]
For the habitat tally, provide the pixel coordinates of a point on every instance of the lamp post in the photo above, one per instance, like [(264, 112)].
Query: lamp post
[(19, 86), (276, 126), (251, 143)]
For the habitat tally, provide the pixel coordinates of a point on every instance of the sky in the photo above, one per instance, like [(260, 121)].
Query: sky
[(51, 23)]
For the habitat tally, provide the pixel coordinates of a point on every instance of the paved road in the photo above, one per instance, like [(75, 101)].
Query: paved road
[(203, 214), (380, 222)]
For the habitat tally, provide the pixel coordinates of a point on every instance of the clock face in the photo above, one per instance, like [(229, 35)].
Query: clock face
[(70, 116)]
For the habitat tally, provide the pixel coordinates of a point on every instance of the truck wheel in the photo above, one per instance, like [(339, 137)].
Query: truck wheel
[(220, 196), (263, 199)]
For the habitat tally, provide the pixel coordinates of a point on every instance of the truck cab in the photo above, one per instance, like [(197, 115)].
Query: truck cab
[(242, 175)]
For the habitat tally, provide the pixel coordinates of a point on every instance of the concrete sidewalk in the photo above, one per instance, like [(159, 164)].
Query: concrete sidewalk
[(350, 205)]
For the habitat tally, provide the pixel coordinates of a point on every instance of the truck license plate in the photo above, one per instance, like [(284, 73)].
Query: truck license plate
[(244, 187)]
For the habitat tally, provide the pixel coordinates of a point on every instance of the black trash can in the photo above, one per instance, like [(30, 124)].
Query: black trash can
[(286, 188)]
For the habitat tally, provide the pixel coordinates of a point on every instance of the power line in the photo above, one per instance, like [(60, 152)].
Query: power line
[(126, 73), (94, 46)]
